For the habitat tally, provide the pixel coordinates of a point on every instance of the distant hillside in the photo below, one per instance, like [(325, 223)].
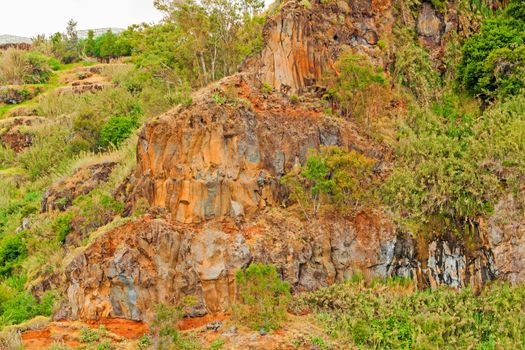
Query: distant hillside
[(82, 34), (13, 39)]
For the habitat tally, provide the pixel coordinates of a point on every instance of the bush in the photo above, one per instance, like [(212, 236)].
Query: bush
[(23, 306), (62, 226), (116, 130), (40, 70), (454, 165), (94, 210), (413, 69), (350, 88), (334, 176), (165, 330), (49, 153), (12, 250), (88, 335), (263, 297), (493, 60), (19, 67)]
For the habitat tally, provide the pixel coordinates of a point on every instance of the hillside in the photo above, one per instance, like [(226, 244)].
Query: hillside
[(322, 175), (13, 39)]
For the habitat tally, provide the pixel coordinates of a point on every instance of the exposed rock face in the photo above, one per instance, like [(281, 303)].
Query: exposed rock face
[(301, 43), (148, 261), (213, 160), (61, 194), (505, 235), (429, 24), (441, 262)]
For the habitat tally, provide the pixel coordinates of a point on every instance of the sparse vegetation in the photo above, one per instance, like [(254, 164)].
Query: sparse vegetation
[(392, 316), (332, 176), (263, 297)]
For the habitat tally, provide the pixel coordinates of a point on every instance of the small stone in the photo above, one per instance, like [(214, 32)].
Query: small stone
[(262, 332), (214, 326)]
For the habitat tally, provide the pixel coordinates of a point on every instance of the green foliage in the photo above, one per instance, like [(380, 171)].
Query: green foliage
[(217, 344), (49, 153), (200, 42), (263, 297), (306, 3), (88, 335), (413, 69), (356, 74), (335, 176), (493, 60), (62, 226), (117, 129), (166, 333), (22, 67), (22, 306), (266, 88), (390, 317), (218, 98), (454, 164), (12, 250), (144, 342), (95, 209)]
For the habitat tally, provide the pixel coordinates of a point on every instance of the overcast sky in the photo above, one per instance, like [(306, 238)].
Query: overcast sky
[(31, 17)]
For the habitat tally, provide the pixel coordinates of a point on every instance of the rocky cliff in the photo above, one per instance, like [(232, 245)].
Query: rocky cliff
[(211, 173)]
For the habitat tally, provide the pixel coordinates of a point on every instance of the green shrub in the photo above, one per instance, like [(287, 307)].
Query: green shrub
[(165, 330), (49, 153), (333, 176), (218, 98), (454, 165), (12, 250), (492, 63), (62, 226), (266, 88), (349, 87), (23, 306), (144, 342), (263, 297), (217, 344), (413, 69), (95, 209), (116, 130), (88, 335), (40, 70)]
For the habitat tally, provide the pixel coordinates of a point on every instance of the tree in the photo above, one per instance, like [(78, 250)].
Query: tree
[(214, 35), (105, 46), (89, 45), (57, 45), (71, 53)]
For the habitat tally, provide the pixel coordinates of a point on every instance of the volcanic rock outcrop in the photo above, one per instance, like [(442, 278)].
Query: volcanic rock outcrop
[(303, 40), (211, 172)]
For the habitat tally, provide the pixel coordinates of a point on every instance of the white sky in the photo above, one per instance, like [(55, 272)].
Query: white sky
[(31, 17)]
